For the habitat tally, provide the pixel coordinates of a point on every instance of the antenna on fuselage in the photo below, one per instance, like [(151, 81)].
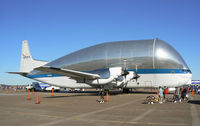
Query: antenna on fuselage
[(136, 67)]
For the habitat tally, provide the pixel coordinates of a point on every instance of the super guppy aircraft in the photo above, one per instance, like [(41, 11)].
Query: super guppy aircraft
[(122, 64)]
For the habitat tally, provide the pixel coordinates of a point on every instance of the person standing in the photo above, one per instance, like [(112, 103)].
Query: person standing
[(165, 93), (102, 94), (176, 95), (183, 93), (160, 95)]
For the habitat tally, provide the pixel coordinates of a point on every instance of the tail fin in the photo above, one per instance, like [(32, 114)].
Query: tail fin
[(27, 61)]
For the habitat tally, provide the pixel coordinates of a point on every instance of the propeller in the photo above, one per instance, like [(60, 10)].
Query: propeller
[(125, 72), (136, 75)]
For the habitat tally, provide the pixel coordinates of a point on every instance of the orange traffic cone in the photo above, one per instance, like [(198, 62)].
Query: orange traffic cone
[(52, 92), (32, 91), (29, 95), (107, 96), (37, 101)]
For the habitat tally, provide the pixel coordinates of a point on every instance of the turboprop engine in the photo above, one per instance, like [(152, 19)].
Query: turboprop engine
[(115, 72), (123, 80)]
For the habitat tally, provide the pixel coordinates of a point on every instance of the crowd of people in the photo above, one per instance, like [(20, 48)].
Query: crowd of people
[(180, 94)]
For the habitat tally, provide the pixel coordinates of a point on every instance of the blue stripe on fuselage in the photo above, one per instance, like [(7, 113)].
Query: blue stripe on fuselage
[(159, 71), (139, 71)]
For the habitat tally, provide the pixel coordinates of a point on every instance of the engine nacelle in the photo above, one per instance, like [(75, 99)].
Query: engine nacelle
[(115, 72), (125, 80)]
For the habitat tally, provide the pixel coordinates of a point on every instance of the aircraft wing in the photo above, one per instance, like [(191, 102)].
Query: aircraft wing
[(68, 72), (21, 73)]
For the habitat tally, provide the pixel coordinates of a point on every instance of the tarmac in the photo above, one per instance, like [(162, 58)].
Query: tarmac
[(78, 109)]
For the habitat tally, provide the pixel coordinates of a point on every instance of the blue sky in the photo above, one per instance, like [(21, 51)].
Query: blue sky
[(58, 27)]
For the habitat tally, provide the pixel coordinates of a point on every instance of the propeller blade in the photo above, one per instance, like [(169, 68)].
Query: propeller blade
[(125, 72), (136, 77)]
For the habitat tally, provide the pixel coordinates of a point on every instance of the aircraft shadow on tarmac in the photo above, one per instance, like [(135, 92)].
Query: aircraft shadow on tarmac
[(95, 93), (74, 95), (194, 102)]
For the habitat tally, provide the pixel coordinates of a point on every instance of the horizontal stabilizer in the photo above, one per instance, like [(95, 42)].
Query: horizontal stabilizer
[(20, 73), (67, 72)]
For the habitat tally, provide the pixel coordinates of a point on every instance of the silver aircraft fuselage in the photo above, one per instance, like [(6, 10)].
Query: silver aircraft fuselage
[(155, 61)]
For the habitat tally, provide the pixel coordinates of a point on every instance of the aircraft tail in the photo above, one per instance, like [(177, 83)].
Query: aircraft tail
[(27, 61)]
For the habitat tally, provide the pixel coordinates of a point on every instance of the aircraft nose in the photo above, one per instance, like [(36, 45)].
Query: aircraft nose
[(188, 78)]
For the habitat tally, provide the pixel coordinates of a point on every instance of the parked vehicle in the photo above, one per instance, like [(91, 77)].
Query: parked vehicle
[(35, 86), (52, 87)]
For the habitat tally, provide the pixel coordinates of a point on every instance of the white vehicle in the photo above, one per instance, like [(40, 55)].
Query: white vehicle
[(52, 87), (47, 87), (35, 86), (44, 86), (123, 64), (29, 87)]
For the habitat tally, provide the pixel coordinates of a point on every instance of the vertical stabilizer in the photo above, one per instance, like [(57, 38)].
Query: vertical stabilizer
[(27, 61)]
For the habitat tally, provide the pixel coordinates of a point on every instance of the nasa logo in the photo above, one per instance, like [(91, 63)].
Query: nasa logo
[(26, 57)]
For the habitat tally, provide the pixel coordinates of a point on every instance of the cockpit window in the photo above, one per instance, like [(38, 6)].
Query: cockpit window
[(186, 70)]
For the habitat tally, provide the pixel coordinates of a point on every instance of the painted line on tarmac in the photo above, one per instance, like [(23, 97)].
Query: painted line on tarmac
[(3, 94), (195, 117), (142, 115), (88, 113), (134, 122)]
